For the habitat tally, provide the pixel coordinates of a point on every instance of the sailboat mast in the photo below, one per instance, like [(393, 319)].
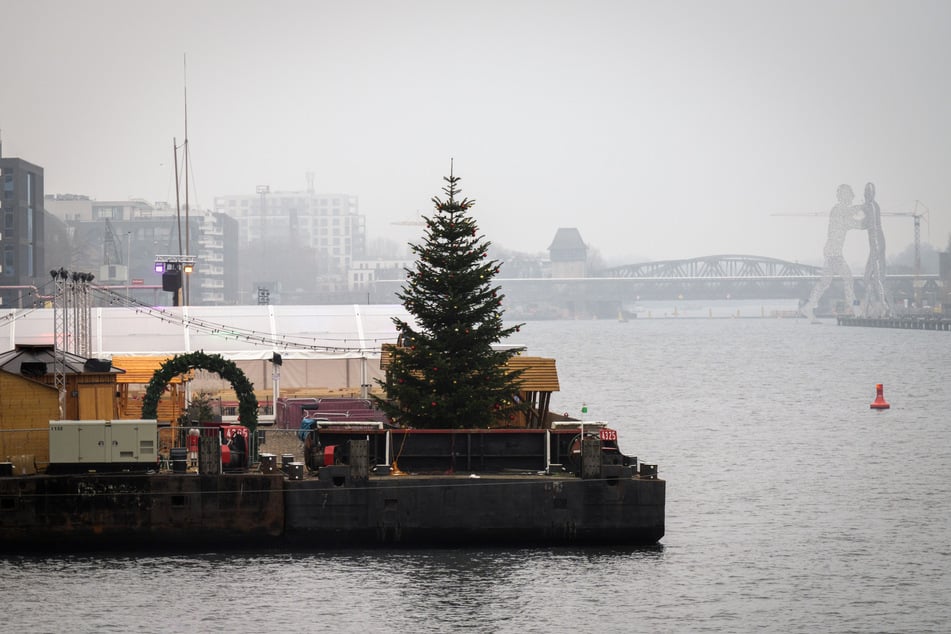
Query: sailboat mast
[(187, 227), (178, 207)]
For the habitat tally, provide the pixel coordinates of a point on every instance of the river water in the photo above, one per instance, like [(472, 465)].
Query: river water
[(791, 506)]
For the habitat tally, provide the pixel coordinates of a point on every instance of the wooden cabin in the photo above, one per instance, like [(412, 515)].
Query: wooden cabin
[(29, 400), (538, 380), (132, 384)]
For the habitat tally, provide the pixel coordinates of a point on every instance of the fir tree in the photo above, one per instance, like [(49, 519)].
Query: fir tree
[(446, 372)]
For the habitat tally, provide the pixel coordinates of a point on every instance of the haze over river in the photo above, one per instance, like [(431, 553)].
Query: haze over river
[(791, 506)]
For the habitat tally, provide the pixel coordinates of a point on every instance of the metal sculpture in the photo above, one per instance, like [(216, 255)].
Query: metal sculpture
[(876, 302), (842, 218)]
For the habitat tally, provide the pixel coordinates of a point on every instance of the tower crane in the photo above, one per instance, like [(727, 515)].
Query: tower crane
[(110, 246), (418, 222)]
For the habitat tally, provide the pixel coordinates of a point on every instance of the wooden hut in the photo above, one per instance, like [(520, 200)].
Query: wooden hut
[(539, 379), (137, 373), (131, 387), (29, 400)]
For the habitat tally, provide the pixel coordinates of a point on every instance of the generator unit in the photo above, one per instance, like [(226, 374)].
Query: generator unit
[(103, 445)]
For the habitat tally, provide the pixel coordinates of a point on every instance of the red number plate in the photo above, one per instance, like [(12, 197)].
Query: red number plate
[(608, 434)]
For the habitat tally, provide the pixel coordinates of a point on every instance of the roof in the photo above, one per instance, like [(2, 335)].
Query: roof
[(350, 331), (13, 362), (142, 369), (539, 373), (567, 238)]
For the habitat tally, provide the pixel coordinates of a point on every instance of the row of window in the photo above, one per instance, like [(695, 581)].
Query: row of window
[(272, 201), (273, 212)]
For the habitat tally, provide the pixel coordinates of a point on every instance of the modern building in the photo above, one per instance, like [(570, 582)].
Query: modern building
[(217, 260), (118, 241), (364, 273), (22, 246), (302, 240)]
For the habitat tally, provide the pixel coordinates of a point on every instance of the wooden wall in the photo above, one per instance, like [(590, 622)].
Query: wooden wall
[(26, 409)]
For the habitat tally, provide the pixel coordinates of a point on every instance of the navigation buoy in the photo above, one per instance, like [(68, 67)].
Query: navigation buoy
[(879, 402)]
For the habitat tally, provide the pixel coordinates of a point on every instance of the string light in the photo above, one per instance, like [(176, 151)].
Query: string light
[(225, 331)]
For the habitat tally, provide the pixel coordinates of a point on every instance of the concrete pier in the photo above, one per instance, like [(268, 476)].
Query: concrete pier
[(907, 322)]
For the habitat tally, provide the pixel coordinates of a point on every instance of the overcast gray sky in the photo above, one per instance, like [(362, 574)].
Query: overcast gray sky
[(658, 129)]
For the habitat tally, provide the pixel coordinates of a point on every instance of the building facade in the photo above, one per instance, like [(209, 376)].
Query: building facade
[(302, 241), (118, 241), (22, 247), (217, 260), (364, 274)]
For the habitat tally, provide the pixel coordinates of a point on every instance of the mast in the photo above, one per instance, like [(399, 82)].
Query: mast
[(178, 206), (187, 227)]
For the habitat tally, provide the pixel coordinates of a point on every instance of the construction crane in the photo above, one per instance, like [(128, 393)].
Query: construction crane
[(110, 246), (112, 268), (419, 222), (916, 214)]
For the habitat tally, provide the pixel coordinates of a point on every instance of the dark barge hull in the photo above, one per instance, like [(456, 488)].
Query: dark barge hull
[(240, 511), (139, 511), (461, 510), (519, 487)]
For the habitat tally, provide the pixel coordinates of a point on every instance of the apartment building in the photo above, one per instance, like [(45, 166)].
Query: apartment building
[(22, 244), (282, 231)]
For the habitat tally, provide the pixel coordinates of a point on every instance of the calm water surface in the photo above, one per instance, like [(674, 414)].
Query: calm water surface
[(791, 506)]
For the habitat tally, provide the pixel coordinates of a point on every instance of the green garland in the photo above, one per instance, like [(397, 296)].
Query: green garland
[(228, 370)]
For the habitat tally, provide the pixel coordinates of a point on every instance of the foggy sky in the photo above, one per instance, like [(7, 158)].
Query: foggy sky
[(658, 129)]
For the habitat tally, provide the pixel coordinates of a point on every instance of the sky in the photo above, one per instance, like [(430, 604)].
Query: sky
[(660, 130)]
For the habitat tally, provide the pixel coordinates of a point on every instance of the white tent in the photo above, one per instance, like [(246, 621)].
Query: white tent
[(321, 346)]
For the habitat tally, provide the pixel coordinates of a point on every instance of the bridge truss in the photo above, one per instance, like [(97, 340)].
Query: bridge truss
[(718, 266), (718, 276)]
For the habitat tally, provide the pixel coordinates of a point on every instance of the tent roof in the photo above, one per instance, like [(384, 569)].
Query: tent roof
[(235, 332)]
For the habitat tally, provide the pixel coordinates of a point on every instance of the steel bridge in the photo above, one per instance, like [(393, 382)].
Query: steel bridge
[(715, 266), (714, 277), (708, 277), (718, 276)]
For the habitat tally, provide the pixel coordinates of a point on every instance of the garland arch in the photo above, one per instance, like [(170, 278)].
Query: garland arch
[(228, 370)]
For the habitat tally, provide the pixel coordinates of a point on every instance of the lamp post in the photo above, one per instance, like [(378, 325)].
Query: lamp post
[(276, 363)]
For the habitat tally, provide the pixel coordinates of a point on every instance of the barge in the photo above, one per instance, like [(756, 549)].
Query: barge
[(360, 485)]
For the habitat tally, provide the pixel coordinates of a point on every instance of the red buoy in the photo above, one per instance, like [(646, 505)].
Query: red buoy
[(879, 402)]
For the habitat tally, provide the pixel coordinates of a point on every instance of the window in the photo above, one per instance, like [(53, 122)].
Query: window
[(9, 262)]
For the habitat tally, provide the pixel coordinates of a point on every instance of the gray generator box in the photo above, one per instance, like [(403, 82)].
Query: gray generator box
[(103, 441)]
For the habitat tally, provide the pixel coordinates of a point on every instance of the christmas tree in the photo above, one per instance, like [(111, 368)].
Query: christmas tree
[(445, 373)]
